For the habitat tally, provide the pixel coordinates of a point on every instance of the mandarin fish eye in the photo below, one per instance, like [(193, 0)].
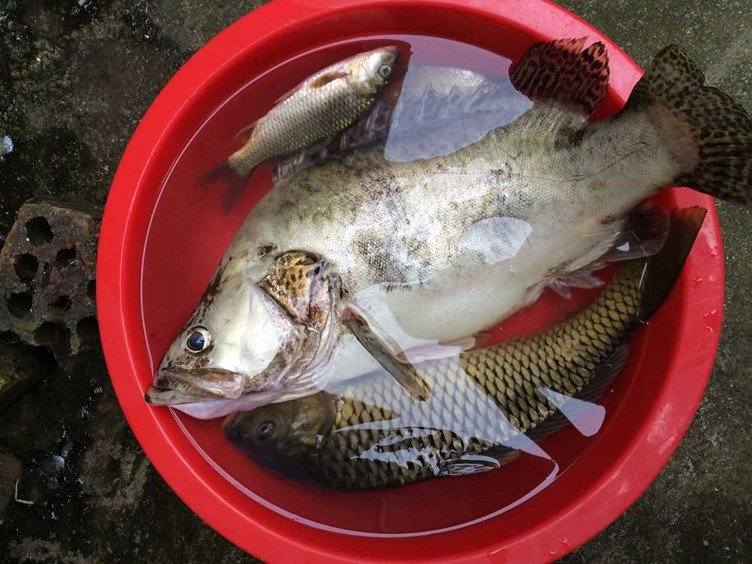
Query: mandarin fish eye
[(385, 71), (265, 431), (198, 339)]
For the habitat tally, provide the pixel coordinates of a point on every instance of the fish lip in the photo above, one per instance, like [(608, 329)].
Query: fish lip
[(215, 408), (208, 385)]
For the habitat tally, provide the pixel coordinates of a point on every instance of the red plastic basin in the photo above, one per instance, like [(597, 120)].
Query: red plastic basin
[(144, 297)]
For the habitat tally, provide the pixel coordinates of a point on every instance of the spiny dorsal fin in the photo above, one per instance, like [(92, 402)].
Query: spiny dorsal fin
[(560, 72)]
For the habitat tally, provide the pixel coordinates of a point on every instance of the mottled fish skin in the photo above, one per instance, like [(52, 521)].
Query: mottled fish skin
[(323, 106), (482, 400), (370, 433), (480, 231)]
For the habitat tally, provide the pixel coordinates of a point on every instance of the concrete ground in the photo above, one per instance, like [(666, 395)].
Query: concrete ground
[(76, 76)]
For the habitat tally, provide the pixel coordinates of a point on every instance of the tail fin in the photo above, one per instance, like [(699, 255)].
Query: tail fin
[(719, 161), (223, 175), (663, 269)]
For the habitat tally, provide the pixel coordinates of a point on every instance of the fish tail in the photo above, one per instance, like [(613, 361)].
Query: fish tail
[(663, 268), (223, 174), (708, 133)]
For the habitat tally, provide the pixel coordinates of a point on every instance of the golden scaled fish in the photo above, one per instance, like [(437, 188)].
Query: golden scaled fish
[(485, 406), (319, 108), (411, 260)]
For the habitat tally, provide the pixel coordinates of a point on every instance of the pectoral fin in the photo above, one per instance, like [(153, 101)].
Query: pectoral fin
[(326, 77), (386, 353), (471, 464), (433, 351)]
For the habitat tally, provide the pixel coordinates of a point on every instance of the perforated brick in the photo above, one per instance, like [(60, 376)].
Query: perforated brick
[(47, 270)]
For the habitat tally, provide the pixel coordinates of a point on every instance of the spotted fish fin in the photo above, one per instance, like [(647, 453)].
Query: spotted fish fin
[(644, 233), (561, 72), (385, 352), (708, 134), (584, 405)]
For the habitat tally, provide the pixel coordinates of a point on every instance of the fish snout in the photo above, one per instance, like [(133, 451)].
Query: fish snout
[(171, 388)]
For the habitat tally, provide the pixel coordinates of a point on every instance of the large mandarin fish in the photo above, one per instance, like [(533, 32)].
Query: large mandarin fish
[(485, 407), (361, 261)]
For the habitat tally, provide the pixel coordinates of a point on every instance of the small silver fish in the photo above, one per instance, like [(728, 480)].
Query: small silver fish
[(414, 113), (319, 108)]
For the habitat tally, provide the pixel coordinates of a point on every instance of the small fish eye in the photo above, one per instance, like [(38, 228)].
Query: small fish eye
[(265, 430), (385, 71), (198, 340)]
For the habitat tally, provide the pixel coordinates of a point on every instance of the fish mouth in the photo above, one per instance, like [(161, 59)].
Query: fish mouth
[(174, 388)]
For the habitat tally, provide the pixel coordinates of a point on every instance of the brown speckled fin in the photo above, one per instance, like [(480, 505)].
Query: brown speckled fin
[(644, 234), (386, 354), (562, 73), (718, 151), (299, 283)]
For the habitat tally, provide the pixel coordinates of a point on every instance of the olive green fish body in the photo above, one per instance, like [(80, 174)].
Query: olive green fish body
[(482, 400)]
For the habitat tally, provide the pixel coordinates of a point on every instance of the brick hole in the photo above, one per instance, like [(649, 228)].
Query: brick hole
[(8, 337), (87, 329), (91, 290), (50, 333), (61, 304), (65, 257), (19, 304), (39, 231), (26, 267)]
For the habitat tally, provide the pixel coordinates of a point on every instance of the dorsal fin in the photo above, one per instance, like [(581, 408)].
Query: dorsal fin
[(560, 72)]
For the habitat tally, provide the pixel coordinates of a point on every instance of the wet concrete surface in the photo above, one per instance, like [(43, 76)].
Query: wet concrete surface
[(76, 76)]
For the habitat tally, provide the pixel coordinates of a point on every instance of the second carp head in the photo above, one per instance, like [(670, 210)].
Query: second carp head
[(282, 436), (253, 340)]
